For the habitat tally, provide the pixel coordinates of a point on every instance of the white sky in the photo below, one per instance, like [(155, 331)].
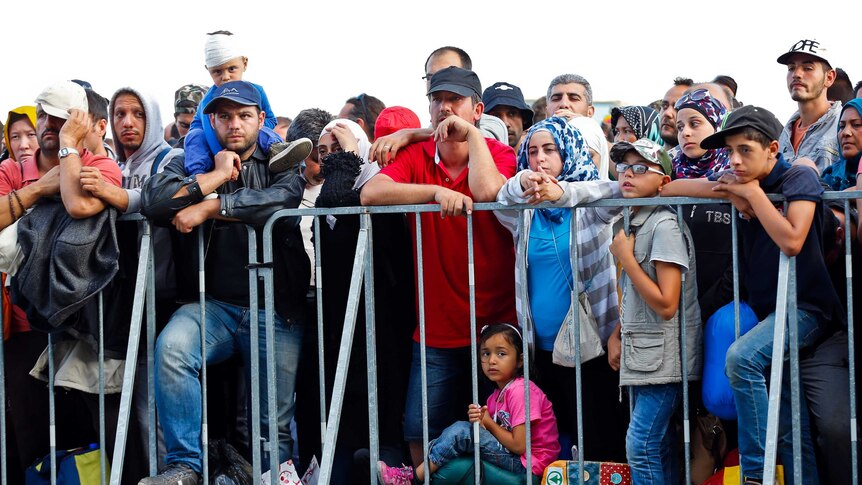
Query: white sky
[(317, 54)]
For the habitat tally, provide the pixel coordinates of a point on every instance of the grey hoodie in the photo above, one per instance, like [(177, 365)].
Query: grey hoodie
[(137, 167)]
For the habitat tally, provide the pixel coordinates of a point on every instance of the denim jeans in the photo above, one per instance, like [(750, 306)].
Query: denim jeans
[(449, 384), (178, 366), (748, 361), (649, 441), (457, 440)]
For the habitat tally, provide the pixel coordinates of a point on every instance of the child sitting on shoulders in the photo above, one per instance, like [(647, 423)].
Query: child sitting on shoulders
[(225, 63)]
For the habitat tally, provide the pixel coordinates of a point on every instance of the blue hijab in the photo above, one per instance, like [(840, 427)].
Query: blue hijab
[(578, 164), (842, 174)]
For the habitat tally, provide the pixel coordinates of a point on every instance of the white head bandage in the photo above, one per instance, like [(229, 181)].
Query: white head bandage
[(220, 48)]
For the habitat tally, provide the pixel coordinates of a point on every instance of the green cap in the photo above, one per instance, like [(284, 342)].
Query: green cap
[(188, 97), (650, 150)]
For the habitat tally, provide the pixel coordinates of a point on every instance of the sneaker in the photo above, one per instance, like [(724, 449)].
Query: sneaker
[(174, 474), (285, 156), (390, 475)]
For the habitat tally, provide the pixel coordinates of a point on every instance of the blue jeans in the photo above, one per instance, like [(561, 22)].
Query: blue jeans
[(457, 440), (449, 385), (748, 361), (178, 366), (649, 441)]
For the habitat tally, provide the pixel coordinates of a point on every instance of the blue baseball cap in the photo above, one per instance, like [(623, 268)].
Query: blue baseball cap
[(456, 80), (240, 92)]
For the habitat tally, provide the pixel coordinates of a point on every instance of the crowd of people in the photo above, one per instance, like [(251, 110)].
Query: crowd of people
[(645, 289)]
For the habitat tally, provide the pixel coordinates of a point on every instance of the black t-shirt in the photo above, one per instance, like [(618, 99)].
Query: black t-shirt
[(711, 233), (760, 254)]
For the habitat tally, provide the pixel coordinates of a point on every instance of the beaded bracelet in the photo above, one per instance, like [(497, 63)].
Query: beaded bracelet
[(12, 208), (20, 203)]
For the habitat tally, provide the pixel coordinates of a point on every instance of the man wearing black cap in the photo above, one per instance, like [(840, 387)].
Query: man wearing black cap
[(505, 101), (454, 168), (750, 134), (810, 133), (244, 190)]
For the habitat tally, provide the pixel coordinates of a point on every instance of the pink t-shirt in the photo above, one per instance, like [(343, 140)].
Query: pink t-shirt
[(508, 411)]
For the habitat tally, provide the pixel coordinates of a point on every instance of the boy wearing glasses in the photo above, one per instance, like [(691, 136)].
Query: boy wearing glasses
[(654, 257)]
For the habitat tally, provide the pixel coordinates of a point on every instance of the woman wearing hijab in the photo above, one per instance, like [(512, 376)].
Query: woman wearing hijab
[(841, 175), (698, 116), (19, 132), (596, 142), (554, 149), (631, 123), (343, 150)]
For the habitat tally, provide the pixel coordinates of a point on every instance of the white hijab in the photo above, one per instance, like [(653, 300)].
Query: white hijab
[(595, 138), (368, 169)]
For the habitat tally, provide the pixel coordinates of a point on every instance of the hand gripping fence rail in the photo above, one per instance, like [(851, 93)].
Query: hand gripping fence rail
[(786, 328)]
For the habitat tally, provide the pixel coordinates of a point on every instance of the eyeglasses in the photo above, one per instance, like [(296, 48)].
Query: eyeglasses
[(637, 169), (696, 95), (427, 76), (361, 99)]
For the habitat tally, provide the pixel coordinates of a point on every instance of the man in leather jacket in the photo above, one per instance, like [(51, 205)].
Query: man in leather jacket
[(239, 190)]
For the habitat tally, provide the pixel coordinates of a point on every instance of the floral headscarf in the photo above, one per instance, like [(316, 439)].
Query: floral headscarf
[(578, 164), (713, 160), (643, 120)]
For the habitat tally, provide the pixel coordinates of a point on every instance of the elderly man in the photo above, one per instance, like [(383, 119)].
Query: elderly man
[(453, 169), (245, 192), (570, 95)]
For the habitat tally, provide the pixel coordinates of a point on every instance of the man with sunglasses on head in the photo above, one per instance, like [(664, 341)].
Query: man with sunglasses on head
[(810, 132), (364, 110)]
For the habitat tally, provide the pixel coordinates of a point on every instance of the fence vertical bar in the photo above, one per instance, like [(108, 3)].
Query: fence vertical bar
[(371, 352), (131, 366), (683, 351), (52, 416), (526, 340), (271, 387), (795, 407), (627, 228), (356, 279), (3, 448), (202, 290), (254, 349), (103, 462), (420, 279), (152, 425), (851, 346), (779, 333), (318, 281), (575, 332), (734, 245), (474, 365)]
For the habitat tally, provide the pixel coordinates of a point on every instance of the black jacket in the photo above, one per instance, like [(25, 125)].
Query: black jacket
[(252, 199)]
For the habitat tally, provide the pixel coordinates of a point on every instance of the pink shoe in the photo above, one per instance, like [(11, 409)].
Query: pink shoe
[(390, 475)]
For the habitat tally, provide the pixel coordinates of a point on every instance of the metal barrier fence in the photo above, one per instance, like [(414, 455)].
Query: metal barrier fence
[(363, 272)]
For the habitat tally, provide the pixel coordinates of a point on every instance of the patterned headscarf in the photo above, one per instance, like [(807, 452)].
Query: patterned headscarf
[(578, 164), (842, 174), (713, 160), (643, 120)]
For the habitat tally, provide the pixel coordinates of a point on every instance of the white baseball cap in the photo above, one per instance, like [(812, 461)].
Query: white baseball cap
[(57, 99)]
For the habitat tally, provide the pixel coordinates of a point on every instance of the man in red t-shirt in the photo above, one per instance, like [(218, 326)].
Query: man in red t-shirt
[(453, 169), (62, 123)]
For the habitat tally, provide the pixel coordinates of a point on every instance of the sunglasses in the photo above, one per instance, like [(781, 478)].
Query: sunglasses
[(361, 99), (637, 169), (696, 95)]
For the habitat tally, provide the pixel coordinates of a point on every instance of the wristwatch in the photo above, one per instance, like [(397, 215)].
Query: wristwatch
[(66, 151)]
